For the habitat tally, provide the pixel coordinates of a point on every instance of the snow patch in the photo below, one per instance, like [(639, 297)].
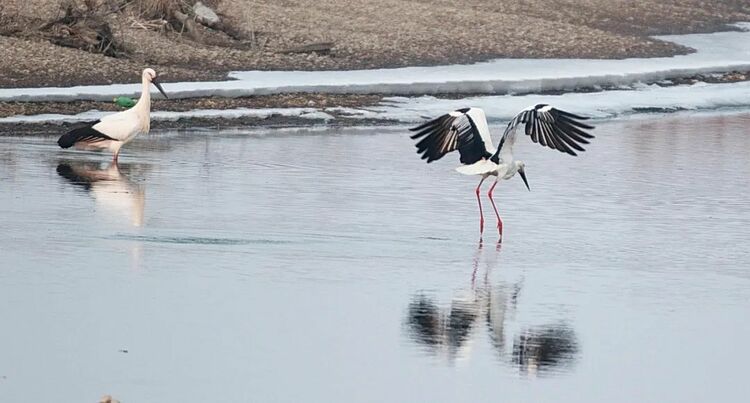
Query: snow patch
[(306, 113), (598, 105)]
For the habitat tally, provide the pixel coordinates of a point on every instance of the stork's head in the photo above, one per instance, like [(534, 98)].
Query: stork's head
[(149, 75), (520, 168)]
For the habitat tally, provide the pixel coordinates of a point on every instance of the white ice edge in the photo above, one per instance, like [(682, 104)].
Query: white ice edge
[(715, 53), (599, 105), (307, 113)]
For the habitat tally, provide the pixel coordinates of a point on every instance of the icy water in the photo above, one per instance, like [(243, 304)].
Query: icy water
[(332, 265)]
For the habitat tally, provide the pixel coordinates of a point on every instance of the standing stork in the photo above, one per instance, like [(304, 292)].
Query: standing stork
[(466, 130), (114, 131)]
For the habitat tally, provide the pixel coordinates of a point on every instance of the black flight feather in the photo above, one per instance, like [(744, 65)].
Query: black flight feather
[(83, 132)]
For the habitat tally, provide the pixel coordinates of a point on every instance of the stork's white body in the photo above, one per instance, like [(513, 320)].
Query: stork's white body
[(488, 168), (124, 126)]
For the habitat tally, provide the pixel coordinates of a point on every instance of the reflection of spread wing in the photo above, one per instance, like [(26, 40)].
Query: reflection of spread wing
[(448, 331), (545, 347), (461, 322), (113, 192), (424, 321)]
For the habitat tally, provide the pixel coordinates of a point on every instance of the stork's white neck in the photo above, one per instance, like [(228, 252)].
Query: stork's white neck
[(143, 106), (144, 103)]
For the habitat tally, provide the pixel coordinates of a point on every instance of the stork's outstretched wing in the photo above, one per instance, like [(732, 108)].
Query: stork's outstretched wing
[(464, 130), (550, 127)]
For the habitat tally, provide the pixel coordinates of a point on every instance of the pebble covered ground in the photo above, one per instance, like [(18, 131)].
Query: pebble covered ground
[(365, 34)]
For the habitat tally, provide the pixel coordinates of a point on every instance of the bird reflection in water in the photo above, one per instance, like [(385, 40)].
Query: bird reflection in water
[(543, 348), (443, 333), (450, 332), (114, 193)]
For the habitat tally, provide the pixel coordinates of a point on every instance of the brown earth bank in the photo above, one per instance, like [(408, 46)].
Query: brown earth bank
[(269, 101), (192, 124), (186, 104), (68, 42)]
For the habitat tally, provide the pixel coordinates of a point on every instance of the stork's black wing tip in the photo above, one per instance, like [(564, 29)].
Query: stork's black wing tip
[(424, 125), (571, 115)]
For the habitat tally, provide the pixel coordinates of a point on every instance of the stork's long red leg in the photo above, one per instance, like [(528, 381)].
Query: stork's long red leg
[(481, 215), (499, 220)]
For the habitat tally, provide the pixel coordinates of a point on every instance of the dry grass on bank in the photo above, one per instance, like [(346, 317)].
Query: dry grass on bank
[(102, 41)]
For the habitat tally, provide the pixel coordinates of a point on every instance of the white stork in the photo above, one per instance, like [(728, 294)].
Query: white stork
[(466, 130), (114, 131)]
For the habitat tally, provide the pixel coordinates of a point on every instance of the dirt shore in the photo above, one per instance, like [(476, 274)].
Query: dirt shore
[(272, 121), (363, 34), (266, 101), (270, 101)]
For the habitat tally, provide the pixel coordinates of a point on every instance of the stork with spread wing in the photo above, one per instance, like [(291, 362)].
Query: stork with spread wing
[(466, 130)]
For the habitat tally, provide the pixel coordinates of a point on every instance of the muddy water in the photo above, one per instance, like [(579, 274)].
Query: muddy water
[(333, 265)]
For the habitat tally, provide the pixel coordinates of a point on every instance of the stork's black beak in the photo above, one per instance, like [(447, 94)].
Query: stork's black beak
[(158, 87), (523, 176)]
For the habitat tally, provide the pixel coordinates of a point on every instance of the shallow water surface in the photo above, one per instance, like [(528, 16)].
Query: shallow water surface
[(333, 265)]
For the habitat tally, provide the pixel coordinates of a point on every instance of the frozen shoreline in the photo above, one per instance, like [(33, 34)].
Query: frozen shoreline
[(598, 105), (715, 53)]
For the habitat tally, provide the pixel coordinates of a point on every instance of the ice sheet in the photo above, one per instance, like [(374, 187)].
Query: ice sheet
[(308, 113)]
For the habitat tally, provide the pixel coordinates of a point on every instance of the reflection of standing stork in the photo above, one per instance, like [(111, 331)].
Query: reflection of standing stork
[(450, 331), (113, 192)]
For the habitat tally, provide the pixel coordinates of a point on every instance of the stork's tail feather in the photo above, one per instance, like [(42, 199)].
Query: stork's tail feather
[(85, 132), (477, 168), (67, 140)]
